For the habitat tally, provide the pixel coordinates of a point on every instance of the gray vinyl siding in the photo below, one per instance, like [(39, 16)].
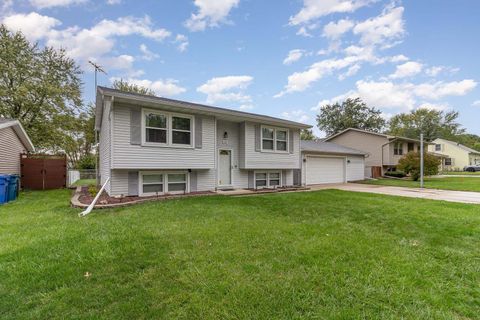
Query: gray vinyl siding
[(10, 149), (105, 146), (119, 183), (270, 160), (239, 177), (128, 156), (241, 145)]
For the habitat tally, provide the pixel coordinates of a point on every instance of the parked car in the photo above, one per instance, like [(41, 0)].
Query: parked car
[(472, 168)]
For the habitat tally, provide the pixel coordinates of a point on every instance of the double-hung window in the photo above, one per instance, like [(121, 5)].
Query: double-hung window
[(267, 179), (163, 128), (398, 148), (274, 139), (448, 161), (153, 183), (438, 147)]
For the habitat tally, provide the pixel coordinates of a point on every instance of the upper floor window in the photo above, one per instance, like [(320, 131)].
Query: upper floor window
[(274, 139), (398, 148), (167, 129), (438, 147)]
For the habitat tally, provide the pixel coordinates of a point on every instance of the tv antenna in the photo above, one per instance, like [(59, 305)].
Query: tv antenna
[(98, 68)]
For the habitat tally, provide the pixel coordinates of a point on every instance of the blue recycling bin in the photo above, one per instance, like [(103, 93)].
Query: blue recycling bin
[(12, 187), (4, 179)]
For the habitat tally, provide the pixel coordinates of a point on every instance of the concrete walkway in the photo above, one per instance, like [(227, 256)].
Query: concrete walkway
[(432, 194)]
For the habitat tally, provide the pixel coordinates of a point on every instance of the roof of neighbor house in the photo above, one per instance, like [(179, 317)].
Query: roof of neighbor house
[(153, 101), (21, 133), (327, 147), (461, 146), (389, 137)]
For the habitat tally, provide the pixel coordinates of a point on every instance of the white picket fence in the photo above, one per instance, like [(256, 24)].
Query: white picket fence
[(72, 177)]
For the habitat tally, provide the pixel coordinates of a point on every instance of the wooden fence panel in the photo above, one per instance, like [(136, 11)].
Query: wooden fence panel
[(40, 172)]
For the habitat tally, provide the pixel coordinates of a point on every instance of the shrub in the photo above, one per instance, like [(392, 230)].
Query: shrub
[(395, 174), (92, 190), (86, 162), (410, 164)]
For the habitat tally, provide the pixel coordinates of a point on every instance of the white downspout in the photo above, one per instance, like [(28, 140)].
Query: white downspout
[(90, 207)]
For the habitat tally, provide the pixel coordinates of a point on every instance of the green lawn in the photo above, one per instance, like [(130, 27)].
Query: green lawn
[(312, 255), (461, 173), (84, 182), (449, 183)]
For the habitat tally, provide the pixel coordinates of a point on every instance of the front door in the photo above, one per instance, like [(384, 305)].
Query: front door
[(225, 168)]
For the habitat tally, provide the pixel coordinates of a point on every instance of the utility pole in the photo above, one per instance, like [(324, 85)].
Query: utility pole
[(421, 160), (98, 68)]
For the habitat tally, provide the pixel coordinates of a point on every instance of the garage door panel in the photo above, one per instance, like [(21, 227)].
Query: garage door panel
[(355, 169), (320, 170)]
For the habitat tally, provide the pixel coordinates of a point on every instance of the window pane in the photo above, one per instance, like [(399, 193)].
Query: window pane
[(274, 183), (152, 178), (176, 187), (176, 177), (267, 133), (267, 144), (156, 120), (261, 183), (148, 188), (274, 175), (180, 123), (180, 137), (262, 176), (156, 135), (282, 145), (281, 135)]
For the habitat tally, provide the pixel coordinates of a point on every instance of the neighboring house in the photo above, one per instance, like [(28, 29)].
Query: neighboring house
[(326, 162), (13, 142), (382, 151), (151, 145), (457, 156)]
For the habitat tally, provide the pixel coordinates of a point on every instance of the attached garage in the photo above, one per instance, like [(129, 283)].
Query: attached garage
[(326, 162)]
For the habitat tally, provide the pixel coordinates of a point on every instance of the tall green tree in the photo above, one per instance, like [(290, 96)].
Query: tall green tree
[(130, 87), (39, 87), (351, 113), (432, 123), (307, 134)]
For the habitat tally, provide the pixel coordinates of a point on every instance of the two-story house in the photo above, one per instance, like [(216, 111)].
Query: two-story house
[(457, 156), (150, 145), (383, 150)]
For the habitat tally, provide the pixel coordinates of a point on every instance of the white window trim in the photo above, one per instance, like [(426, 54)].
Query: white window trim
[(165, 182), (274, 150), (169, 129), (401, 145), (438, 144), (267, 172)]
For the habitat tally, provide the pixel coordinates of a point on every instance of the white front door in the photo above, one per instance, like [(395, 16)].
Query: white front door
[(225, 168)]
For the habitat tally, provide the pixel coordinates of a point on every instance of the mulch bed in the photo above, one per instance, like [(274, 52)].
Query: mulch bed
[(104, 199)]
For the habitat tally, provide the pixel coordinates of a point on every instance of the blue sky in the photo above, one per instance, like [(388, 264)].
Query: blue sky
[(281, 58)]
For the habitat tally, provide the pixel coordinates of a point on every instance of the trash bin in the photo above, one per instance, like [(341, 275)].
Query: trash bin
[(4, 188), (12, 187)]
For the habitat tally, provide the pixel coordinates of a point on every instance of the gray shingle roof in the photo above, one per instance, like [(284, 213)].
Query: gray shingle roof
[(5, 120), (327, 147)]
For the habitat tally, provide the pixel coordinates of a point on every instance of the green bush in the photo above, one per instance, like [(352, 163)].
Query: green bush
[(86, 162), (395, 174), (410, 164), (92, 190)]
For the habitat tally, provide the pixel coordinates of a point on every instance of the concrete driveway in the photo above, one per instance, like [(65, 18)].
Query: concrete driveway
[(432, 194)]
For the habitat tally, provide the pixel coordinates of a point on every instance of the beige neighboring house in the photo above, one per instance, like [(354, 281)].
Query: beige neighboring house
[(13, 142), (457, 155), (382, 150)]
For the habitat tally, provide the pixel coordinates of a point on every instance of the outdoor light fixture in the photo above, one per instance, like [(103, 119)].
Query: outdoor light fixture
[(225, 135)]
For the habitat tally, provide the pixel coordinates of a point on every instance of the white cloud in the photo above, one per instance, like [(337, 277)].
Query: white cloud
[(226, 89), (384, 30), (33, 25), (407, 69), (210, 14), (42, 4), (334, 30), (114, 2), (476, 103), (296, 115), (246, 107), (83, 44), (433, 106), (147, 54), (303, 32), (120, 62), (294, 55), (313, 9), (161, 87), (350, 72), (442, 89), (182, 42), (398, 58)]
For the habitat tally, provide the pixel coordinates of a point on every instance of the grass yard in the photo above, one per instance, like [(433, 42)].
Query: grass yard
[(449, 183), (84, 182), (461, 173), (312, 255)]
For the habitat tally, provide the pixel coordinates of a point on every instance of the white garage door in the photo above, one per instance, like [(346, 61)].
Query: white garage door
[(325, 170), (355, 168)]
